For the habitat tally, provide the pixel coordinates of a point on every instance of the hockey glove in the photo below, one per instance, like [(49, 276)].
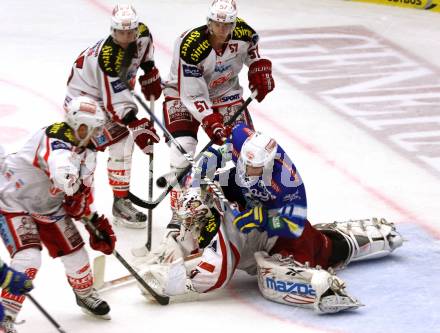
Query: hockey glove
[(213, 126), (144, 134), (16, 283), (250, 219), (150, 84), (105, 243), (78, 204), (260, 78)]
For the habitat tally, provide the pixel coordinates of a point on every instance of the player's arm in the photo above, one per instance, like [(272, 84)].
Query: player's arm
[(150, 81), (260, 69)]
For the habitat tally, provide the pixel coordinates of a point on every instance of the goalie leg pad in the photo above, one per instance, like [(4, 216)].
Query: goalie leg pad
[(366, 239), (283, 280)]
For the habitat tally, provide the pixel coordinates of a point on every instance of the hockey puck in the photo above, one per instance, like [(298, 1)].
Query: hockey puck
[(161, 182)]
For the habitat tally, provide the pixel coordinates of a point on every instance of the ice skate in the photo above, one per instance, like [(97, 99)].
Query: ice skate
[(94, 305), (8, 325), (124, 214)]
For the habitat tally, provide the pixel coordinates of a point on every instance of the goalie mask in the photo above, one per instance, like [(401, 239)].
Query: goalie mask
[(85, 111), (257, 155), (192, 210)]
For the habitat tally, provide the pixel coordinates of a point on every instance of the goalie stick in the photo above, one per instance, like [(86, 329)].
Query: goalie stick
[(162, 300), (98, 273), (152, 204)]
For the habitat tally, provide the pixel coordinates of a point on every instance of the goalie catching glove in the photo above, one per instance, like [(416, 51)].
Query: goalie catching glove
[(260, 78), (104, 239), (144, 134)]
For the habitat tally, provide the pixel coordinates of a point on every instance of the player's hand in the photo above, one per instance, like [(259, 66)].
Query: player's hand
[(78, 204), (144, 134), (260, 78), (106, 244), (150, 84), (250, 219), (16, 283), (213, 126)]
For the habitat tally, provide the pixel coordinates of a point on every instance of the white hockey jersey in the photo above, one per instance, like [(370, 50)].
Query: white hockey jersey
[(201, 77), (34, 179), (95, 73)]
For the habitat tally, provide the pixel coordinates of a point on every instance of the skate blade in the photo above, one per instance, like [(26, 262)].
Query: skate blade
[(119, 221), (91, 314)]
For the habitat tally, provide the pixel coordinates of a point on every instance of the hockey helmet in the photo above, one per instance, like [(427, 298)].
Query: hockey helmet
[(83, 110), (224, 11), (124, 17), (259, 150)]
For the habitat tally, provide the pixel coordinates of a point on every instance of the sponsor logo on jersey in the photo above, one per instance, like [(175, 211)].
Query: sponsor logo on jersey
[(225, 99), (243, 31), (289, 287), (292, 197), (110, 58), (220, 68), (222, 79), (59, 145), (259, 195), (118, 86), (191, 71)]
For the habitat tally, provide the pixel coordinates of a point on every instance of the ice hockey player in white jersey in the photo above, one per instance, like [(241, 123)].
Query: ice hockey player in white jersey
[(101, 72), (203, 86), (265, 233), (44, 187), (16, 283)]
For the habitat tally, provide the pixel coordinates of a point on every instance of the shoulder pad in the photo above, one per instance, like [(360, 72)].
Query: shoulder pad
[(61, 131), (195, 46), (244, 32), (210, 229), (143, 30), (110, 57)]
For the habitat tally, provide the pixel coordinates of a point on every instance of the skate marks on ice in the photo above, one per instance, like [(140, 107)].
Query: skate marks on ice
[(398, 292), (371, 82)]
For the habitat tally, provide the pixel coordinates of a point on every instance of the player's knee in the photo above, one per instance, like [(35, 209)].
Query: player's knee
[(75, 260), (27, 259)]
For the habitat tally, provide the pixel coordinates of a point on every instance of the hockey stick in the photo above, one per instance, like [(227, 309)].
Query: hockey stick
[(152, 204), (150, 183), (162, 300), (46, 314)]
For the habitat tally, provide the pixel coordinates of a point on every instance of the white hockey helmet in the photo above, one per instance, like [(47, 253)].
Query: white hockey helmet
[(83, 110), (224, 11), (259, 150), (124, 17)]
